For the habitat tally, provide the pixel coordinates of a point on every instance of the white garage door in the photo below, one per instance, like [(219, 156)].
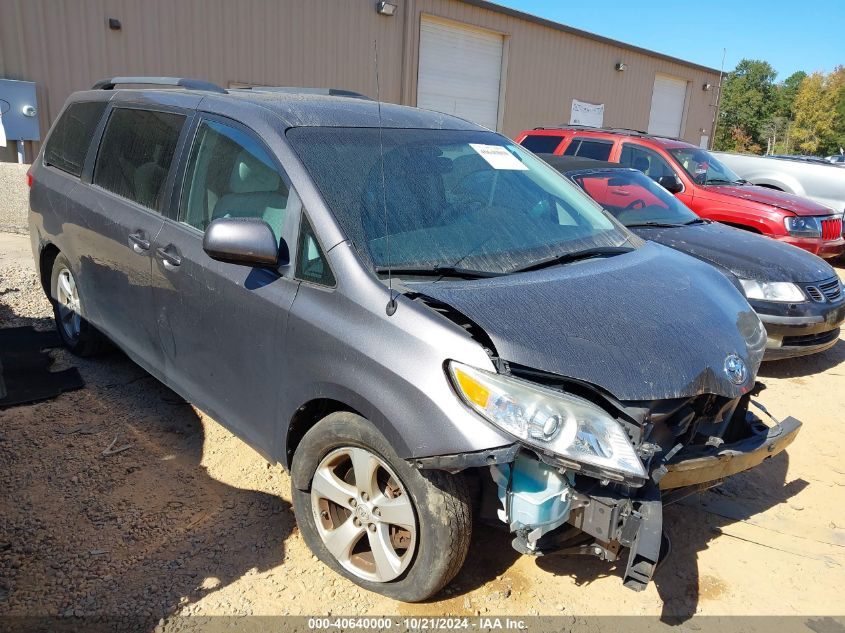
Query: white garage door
[(667, 106), (460, 71)]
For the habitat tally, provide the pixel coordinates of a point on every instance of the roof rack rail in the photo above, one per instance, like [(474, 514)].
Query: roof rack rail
[(610, 130), (331, 92), (181, 82)]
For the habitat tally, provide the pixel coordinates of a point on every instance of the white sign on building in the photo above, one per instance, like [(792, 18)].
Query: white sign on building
[(583, 113)]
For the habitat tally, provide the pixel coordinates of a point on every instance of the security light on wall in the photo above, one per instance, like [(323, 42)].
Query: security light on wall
[(707, 87), (621, 66), (386, 8)]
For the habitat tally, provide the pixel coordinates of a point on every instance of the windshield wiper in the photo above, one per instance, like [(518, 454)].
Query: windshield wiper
[(667, 225), (697, 221), (567, 258), (721, 181), (439, 271)]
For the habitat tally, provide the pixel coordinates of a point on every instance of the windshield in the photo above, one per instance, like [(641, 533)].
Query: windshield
[(633, 198), (703, 167), (467, 199)]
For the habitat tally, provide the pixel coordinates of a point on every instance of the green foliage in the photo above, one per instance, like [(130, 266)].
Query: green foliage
[(837, 85), (748, 101), (815, 114), (786, 92), (804, 113)]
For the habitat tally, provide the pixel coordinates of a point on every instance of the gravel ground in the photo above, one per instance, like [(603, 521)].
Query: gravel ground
[(14, 198), (188, 520)]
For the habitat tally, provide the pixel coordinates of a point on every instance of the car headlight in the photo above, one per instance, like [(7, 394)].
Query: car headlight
[(547, 419), (772, 291), (799, 226)]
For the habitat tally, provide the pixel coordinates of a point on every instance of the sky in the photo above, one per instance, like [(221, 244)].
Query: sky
[(790, 35)]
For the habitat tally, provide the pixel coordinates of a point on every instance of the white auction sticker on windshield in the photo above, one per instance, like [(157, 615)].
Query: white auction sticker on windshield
[(498, 157)]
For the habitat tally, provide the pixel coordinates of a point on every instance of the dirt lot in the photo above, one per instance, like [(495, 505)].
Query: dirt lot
[(191, 520)]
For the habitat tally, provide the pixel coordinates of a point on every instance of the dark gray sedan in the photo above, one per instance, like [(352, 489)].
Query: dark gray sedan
[(797, 295)]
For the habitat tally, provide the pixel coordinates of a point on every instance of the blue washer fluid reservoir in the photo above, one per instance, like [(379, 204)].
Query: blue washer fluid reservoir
[(535, 497)]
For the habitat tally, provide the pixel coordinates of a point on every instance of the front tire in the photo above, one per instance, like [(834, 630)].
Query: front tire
[(79, 337), (371, 517)]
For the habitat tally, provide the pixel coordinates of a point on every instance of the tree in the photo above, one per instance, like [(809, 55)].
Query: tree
[(786, 92), (815, 114), (837, 85), (747, 102)]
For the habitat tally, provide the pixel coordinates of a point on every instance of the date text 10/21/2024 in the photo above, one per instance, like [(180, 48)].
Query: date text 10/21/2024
[(418, 623)]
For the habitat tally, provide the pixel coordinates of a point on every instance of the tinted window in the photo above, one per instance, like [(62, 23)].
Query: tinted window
[(541, 143), (645, 160), (470, 199), (311, 264), (597, 150), (633, 198), (71, 136), (136, 153), (230, 175)]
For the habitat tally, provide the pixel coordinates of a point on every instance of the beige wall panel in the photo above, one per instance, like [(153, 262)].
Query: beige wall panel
[(66, 45)]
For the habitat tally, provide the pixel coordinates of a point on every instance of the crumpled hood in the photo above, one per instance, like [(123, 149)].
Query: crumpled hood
[(650, 324), (745, 254), (772, 197)]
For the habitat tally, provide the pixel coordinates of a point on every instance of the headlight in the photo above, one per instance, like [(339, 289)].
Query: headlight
[(772, 291), (554, 421), (798, 226)]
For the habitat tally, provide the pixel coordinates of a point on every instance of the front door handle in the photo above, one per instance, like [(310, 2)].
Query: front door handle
[(170, 260), (138, 243)]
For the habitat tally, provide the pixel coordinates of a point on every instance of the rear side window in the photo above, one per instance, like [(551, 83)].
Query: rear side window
[(71, 136), (136, 153), (541, 143), (588, 148)]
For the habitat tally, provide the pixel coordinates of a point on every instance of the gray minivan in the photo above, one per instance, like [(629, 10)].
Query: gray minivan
[(418, 318)]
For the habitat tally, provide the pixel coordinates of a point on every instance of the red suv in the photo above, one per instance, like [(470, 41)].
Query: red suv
[(704, 184)]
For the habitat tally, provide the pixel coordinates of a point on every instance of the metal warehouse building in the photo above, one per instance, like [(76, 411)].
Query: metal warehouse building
[(502, 68)]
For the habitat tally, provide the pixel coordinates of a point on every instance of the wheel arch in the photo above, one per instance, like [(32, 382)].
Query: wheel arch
[(49, 253)]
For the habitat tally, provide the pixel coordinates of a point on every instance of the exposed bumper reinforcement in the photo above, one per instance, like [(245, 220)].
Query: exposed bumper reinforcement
[(730, 459)]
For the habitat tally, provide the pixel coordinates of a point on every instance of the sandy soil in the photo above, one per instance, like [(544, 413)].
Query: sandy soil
[(190, 520)]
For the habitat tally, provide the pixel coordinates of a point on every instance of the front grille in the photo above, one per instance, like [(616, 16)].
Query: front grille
[(830, 290), (811, 339), (831, 228)]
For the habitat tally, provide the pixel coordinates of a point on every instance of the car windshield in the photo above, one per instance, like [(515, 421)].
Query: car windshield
[(703, 167), (634, 199), (472, 200)]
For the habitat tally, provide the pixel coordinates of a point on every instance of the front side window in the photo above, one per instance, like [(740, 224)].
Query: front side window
[(703, 167), (469, 199), (645, 160), (231, 175), (541, 143), (68, 143), (634, 199), (136, 153), (588, 148)]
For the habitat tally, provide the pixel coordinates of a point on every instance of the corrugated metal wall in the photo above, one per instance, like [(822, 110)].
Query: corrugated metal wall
[(66, 45)]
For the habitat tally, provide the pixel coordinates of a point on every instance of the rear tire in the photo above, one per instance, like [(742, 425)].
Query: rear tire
[(428, 554), (79, 337)]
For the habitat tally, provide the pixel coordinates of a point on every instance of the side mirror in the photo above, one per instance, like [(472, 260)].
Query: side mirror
[(244, 241), (672, 184)]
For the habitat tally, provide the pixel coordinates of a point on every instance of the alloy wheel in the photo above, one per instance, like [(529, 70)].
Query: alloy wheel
[(67, 297), (363, 514)]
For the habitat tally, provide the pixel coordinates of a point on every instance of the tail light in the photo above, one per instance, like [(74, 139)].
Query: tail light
[(29, 177)]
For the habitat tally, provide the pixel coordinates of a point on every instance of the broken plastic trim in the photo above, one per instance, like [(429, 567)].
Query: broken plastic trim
[(462, 461)]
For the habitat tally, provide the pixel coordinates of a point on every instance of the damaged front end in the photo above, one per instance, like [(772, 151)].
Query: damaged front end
[(571, 486)]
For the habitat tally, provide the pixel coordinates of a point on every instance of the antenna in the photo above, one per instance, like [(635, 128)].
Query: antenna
[(390, 309)]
